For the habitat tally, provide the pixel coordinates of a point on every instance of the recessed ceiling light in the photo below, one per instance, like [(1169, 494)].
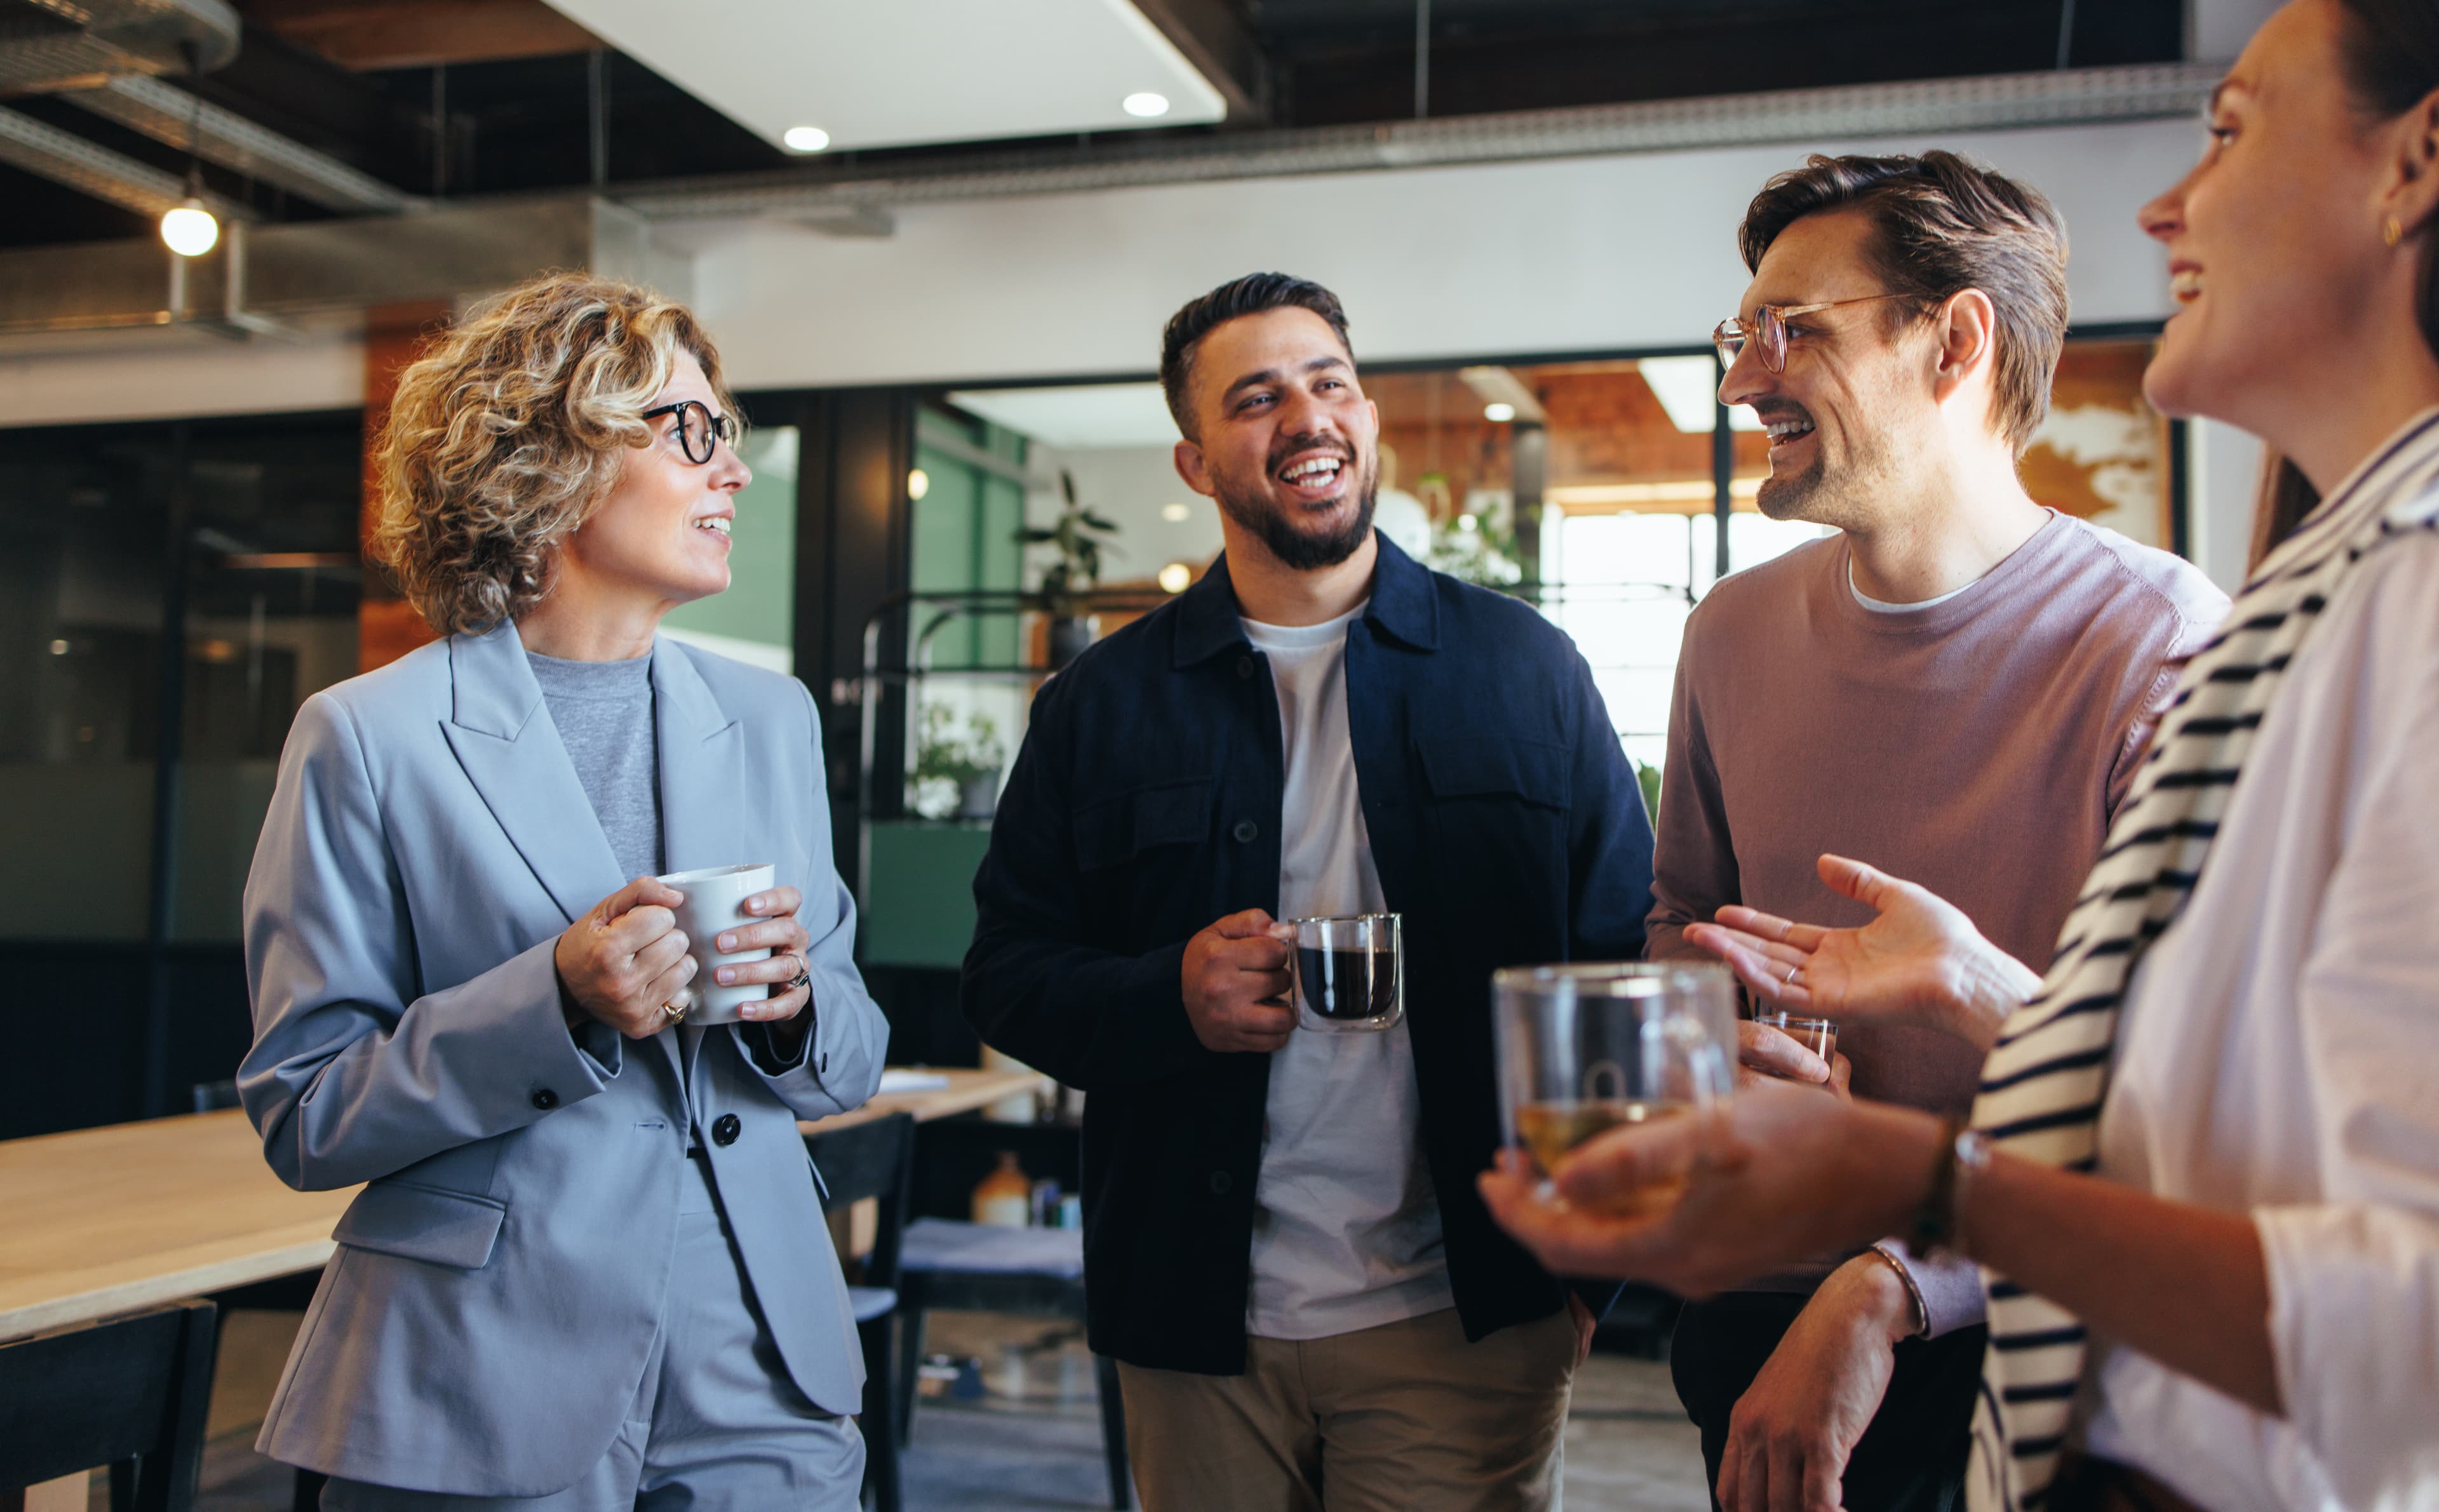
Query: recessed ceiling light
[(1145, 106), (1498, 413), (919, 483), (1175, 577), (806, 138), (1176, 514)]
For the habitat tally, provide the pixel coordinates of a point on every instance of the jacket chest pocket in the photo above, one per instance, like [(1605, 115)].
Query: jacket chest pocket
[(1135, 860), (1496, 817), (1113, 832)]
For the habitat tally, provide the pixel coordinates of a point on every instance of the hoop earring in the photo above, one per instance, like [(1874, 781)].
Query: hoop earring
[(2393, 232)]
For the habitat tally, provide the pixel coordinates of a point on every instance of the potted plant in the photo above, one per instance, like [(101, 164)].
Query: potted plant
[(956, 765), (1067, 583)]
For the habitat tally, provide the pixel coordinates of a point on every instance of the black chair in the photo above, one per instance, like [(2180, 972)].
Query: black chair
[(980, 1267), (131, 1395), (874, 1158), (286, 1293)]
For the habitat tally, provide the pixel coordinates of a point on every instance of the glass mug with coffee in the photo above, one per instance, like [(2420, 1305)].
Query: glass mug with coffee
[(1587, 1048), (1350, 971)]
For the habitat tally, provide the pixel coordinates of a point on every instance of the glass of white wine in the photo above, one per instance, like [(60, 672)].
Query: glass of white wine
[(1588, 1047)]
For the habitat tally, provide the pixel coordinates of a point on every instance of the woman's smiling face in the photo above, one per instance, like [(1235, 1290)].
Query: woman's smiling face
[(662, 532), (2273, 239)]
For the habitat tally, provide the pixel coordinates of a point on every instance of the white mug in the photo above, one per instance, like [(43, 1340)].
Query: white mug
[(715, 900)]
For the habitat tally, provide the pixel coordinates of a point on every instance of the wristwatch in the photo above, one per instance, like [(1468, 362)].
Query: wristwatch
[(1964, 1154)]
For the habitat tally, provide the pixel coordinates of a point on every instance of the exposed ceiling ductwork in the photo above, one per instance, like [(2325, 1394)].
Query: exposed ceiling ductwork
[(103, 55), (47, 45), (329, 267), (64, 157), (169, 115)]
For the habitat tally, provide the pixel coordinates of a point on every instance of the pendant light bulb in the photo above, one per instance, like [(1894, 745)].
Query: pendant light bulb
[(189, 229)]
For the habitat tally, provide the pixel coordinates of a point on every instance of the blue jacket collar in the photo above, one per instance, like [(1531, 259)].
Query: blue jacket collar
[(1403, 605)]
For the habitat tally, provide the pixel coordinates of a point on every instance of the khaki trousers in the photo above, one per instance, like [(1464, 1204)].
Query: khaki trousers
[(1405, 1417)]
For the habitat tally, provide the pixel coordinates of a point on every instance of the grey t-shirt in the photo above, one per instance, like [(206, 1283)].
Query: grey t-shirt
[(1346, 1228), (604, 714)]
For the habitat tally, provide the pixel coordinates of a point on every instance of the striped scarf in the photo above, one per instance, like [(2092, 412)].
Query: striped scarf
[(2043, 1083)]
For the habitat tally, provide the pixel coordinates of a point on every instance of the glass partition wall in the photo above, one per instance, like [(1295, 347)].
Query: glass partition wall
[(169, 595), (1613, 493)]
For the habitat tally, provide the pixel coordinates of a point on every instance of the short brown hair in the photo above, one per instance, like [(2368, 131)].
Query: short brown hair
[(1944, 224), (507, 431), (1249, 295)]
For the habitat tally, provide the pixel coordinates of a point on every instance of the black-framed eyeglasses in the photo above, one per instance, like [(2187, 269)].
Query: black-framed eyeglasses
[(1767, 328), (700, 428)]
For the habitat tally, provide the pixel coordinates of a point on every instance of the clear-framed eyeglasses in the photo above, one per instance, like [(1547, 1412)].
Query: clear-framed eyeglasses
[(1767, 329), (700, 428)]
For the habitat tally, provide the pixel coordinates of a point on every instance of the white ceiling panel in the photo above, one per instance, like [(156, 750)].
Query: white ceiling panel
[(1076, 416), (894, 73)]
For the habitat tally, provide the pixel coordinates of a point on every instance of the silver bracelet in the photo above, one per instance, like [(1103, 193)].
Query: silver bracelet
[(1921, 1308)]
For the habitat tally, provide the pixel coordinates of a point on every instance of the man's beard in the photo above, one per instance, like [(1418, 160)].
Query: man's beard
[(1298, 549), (1841, 498)]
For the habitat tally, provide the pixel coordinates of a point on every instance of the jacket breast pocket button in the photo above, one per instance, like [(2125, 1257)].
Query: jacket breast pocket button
[(724, 1129), (1245, 831), (544, 1098), (1220, 1183)]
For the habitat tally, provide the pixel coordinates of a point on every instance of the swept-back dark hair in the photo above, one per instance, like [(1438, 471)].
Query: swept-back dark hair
[(1942, 224), (1249, 295), (2390, 52)]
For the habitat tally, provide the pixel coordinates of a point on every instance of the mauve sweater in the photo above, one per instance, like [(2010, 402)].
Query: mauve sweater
[(1978, 746)]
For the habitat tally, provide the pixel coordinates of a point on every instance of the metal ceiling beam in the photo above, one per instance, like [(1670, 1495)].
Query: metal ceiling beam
[(77, 43), (169, 115), (1993, 102), (1216, 42), (64, 157)]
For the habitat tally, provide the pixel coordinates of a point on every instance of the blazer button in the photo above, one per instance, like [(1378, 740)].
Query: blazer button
[(1245, 831), (1244, 667), (544, 1098), (1220, 1183), (724, 1128)]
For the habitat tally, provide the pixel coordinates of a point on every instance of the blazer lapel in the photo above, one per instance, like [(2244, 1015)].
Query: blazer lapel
[(511, 753), (703, 795), (703, 768)]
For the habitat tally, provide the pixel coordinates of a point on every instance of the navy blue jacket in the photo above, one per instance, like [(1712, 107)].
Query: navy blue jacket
[(1505, 825)]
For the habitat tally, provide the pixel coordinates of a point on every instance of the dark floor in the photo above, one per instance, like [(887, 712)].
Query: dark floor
[(1024, 1429)]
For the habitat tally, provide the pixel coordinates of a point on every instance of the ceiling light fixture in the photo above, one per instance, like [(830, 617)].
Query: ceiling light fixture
[(1498, 413), (189, 229), (806, 138), (919, 483), (1145, 106), (1176, 514), (1175, 577)]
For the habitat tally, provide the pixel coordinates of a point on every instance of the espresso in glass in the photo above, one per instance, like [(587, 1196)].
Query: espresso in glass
[(1349, 971)]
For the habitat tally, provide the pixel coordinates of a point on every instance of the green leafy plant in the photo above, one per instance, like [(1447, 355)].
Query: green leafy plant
[(950, 752), (1476, 546), (1068, 582)]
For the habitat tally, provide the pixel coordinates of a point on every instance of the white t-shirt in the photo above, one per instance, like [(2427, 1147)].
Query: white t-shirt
[(1347, 1229)]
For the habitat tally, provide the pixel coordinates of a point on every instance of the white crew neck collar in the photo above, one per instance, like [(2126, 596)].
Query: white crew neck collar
[(1879, 606), (1291, 637)]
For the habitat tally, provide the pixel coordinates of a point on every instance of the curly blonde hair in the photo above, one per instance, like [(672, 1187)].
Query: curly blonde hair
[(508, 431)]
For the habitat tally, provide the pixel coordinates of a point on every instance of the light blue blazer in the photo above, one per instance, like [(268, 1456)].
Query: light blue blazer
[(483, 1327)]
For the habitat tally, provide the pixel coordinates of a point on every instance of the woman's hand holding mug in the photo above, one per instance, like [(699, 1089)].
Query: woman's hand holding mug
[(776, 928), (625, 962)]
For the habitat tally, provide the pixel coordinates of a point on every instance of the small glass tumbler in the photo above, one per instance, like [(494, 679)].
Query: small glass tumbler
[(1350, 972), (1819, 1036)]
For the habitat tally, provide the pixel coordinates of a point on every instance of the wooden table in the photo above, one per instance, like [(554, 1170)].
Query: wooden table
[(105, 1221)]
